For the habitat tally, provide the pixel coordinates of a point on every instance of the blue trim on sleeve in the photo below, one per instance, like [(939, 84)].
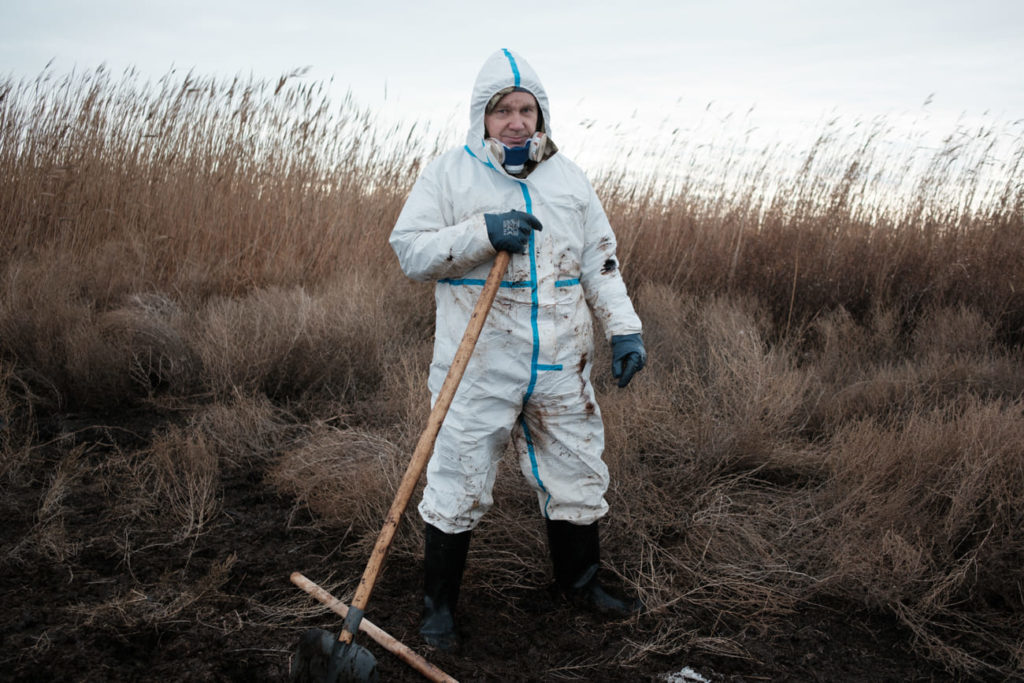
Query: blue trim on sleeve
[(512, 63), (567, 283), (475, 281)]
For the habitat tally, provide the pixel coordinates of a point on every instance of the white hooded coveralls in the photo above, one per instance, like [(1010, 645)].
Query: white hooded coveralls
[(529, 377)]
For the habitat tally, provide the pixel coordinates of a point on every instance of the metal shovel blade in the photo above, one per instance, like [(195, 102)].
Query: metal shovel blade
[(321, 658)]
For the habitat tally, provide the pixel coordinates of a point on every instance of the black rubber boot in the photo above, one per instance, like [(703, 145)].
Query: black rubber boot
[(444, 558), (576, 557)]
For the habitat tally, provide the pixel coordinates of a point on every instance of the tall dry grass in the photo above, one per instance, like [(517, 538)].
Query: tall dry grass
[(832, 414), (860, 219), (156, 185)]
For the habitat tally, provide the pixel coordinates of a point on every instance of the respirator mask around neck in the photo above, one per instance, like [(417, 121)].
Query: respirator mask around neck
[(514, 159)]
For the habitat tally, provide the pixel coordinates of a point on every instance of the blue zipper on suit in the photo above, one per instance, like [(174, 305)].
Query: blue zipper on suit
[(535, 367)]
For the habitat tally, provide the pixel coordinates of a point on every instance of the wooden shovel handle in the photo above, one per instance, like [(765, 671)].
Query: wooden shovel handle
[(425, 446), (382, 637)]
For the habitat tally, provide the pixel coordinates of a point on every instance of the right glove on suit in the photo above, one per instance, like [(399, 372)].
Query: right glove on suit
[(510, 231)]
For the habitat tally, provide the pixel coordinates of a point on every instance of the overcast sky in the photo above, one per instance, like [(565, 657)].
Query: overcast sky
[(642, 65)]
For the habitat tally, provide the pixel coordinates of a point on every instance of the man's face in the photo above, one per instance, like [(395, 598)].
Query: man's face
[(514, 120)]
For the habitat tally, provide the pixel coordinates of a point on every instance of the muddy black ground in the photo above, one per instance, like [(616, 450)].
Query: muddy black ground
[(128, 604)]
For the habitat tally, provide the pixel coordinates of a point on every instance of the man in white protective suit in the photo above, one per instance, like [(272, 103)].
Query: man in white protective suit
[(528, 381)]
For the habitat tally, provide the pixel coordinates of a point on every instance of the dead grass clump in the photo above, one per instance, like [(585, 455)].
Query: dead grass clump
[(957, 352), (844, 346), (293, 344), (857, 368), (347, 479), (404, 337), (403, 403), (886, 393), (918, 520), (953, 331), (72, 354), (172, 599), (37, 324), (152, 329), (245, 432), (713, 556), (744, 382), (49, 538), (869, 371), (178, 478), (714, 381)]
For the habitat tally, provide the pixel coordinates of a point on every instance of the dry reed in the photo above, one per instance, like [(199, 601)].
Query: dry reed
[(832, 412)]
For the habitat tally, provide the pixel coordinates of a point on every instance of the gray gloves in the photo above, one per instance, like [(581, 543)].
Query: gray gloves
[(510, 231), (628, 357)]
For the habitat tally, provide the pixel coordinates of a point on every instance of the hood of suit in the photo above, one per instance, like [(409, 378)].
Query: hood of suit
[(503, 69)]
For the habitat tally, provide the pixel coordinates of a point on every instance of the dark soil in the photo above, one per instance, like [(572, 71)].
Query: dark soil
[(130, 605)]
